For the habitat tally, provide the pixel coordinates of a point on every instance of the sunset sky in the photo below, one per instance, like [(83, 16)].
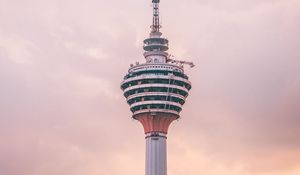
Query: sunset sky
[(62, 111)]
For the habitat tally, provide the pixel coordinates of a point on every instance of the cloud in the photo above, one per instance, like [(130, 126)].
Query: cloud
[(62, 111), (17, 50)]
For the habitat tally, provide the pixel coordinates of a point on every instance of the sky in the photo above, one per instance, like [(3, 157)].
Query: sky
[(61, 107)]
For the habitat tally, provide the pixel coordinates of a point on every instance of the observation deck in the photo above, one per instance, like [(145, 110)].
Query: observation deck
[(156, 43), (156, 88)]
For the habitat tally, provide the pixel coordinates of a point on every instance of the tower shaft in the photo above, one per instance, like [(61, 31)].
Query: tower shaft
[(156, 154)]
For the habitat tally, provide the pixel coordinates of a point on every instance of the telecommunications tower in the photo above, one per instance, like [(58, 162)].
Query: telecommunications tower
[(156, 91)]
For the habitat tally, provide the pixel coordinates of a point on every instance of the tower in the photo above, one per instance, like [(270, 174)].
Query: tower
[(156, 91)]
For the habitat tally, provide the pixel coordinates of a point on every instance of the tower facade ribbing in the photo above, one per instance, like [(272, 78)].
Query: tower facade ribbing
[(156, 91)]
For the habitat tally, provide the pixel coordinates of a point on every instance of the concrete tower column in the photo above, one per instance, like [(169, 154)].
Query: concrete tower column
[(156, 154)]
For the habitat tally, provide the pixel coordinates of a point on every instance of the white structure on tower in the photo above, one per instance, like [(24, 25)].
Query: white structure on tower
[(156, 91)]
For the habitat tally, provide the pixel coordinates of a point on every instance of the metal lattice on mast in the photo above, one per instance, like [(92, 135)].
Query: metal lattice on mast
[(156, 24)]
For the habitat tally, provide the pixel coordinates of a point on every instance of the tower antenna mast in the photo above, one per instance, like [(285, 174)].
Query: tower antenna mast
[(155, 25)]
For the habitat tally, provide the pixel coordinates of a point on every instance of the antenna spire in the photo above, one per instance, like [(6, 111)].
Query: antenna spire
[(156, 25)]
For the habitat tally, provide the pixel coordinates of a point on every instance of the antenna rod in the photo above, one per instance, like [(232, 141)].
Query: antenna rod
[(155, 26)]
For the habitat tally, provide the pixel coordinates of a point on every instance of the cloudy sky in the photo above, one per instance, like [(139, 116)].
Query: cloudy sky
[(62, 111)]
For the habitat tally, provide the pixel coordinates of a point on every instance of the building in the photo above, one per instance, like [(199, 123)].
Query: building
[(156, 92)]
